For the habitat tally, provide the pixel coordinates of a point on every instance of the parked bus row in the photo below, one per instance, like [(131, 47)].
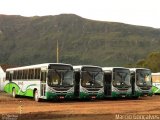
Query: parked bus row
[(53, 81)]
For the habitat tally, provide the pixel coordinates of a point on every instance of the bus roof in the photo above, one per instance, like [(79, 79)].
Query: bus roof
[(111, 68), (79, 67), (36, 66), (134, 69), (158, 73)]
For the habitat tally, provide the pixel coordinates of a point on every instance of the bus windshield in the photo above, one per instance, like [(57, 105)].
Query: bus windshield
[(60, 78), (121, 78), (143, 77), (92, 79)]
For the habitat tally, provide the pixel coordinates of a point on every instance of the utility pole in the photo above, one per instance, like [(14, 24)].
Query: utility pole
[(57, 52)]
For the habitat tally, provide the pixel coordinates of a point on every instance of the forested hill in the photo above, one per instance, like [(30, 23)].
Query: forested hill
[(32, 40)]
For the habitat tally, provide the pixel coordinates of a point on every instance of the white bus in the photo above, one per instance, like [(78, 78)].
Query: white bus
[(156, 83), (2, 78), (88, 82), (141, 82), (116, 82), (42, 81)]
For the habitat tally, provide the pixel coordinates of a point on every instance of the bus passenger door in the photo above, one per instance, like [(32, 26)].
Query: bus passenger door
[(107, 84), (133, 83), (77, 84), (10, 80), (43, 83)]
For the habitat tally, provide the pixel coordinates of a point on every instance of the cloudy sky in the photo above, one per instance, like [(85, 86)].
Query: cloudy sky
[(136, 12)]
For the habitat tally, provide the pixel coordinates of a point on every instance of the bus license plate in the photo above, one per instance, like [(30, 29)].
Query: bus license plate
[(93, 97), (61, 97)]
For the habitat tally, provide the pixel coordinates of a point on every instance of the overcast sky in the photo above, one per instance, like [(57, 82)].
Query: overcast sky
[(137, 12)]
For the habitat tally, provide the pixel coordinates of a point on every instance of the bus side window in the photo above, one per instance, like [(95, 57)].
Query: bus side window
[(25, 75), (37, 73), (43, 77), (19, 75), (7, 75), (32, 73), (10, 77)]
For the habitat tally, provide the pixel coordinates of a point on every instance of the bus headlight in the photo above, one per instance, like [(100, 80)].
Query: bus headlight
[(129, 90), (101, 90), (70, 90), (51, 90), (114, 89), (84, 90)]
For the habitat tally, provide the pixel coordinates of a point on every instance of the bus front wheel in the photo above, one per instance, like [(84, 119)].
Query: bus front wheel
[(36, 96)]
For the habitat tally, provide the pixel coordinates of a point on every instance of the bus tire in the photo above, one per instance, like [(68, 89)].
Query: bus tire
[(36, 96), (136, 97), (14, 93)]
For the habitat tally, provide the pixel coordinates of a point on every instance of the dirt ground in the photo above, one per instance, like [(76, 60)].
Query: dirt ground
[(27, 108)]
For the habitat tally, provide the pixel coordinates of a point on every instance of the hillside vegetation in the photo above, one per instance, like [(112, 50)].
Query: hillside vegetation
[(152, 61), (32, 40)]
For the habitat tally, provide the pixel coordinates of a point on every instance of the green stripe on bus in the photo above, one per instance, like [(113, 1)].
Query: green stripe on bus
[(155, 89), (8, 88)]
